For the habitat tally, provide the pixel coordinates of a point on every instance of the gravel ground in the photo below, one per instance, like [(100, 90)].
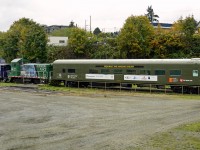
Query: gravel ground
[(44, 121)]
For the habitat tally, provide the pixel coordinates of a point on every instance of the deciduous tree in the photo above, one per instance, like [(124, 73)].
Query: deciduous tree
[(186, 28), (166, 44), (26, 38), (134, 38), (81, 42)]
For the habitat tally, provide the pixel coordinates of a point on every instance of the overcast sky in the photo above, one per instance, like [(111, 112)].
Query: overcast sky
[(108, 15)]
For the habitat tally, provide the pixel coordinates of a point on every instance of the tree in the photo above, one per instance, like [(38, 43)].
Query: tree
[(196, 46), (189, 26), (96, 31), (186, 28), (2, 40), (105, 48), (27, 39), (71, 25), (58, 52), (151, 15), (81, 42), (134, 38), (10, 46), (166, 44)]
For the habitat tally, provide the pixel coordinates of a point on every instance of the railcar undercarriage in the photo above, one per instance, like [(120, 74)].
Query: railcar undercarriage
[(184, 89)]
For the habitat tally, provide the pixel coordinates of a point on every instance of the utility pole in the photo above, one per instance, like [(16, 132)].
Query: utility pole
[(85, 25), (90, 25)]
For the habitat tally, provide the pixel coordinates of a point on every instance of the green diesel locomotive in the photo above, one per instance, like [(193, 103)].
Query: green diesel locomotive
[(23, 71)]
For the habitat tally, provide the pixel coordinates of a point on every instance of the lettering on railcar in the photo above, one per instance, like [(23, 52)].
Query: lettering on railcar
[(118, 66), (74, 76)]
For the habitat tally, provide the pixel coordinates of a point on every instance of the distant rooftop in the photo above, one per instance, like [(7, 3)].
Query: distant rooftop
[(162, 25), (51, 28), (198, 25)]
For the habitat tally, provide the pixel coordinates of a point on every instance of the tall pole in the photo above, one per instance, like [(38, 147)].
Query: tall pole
[(90, 25), (85, 26)]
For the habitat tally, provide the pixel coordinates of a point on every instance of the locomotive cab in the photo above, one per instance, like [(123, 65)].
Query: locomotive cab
[(4, 71)]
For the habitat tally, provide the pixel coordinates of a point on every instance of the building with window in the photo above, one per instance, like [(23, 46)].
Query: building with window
[(57, 41), (49, 29), (198, 28)]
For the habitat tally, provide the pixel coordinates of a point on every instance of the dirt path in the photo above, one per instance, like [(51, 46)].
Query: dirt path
[(49, 122)]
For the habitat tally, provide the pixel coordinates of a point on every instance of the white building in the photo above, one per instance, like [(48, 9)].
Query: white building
[(57, 41)]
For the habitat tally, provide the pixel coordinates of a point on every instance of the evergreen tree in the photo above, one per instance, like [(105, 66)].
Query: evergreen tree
[(151, 15), (97, 31)]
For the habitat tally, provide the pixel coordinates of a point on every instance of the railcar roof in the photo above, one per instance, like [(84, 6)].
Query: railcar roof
[(37, 64), (16, 60), (128, 61), (4, 64)]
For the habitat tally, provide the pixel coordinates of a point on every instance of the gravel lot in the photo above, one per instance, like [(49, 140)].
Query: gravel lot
[(42, 121)]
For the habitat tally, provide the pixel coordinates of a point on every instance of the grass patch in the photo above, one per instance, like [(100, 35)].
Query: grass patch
[(3, 84), (60, 88), (182, 138), (107, 92), (52, 88), (194, 127), (118, 92), (69, 89), (188, 96)]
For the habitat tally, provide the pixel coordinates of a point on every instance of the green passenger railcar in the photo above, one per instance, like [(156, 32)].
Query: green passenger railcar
[(173, 72)]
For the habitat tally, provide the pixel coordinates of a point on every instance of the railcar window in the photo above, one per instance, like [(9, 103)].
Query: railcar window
[(160, 72), (63, 70), (131, 71), (61, 41), (138, 66), (175, 72), (117, 71), (145, 72), (71, 70), (99, 66), (195, 73), (105, 71), (93, 71)]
